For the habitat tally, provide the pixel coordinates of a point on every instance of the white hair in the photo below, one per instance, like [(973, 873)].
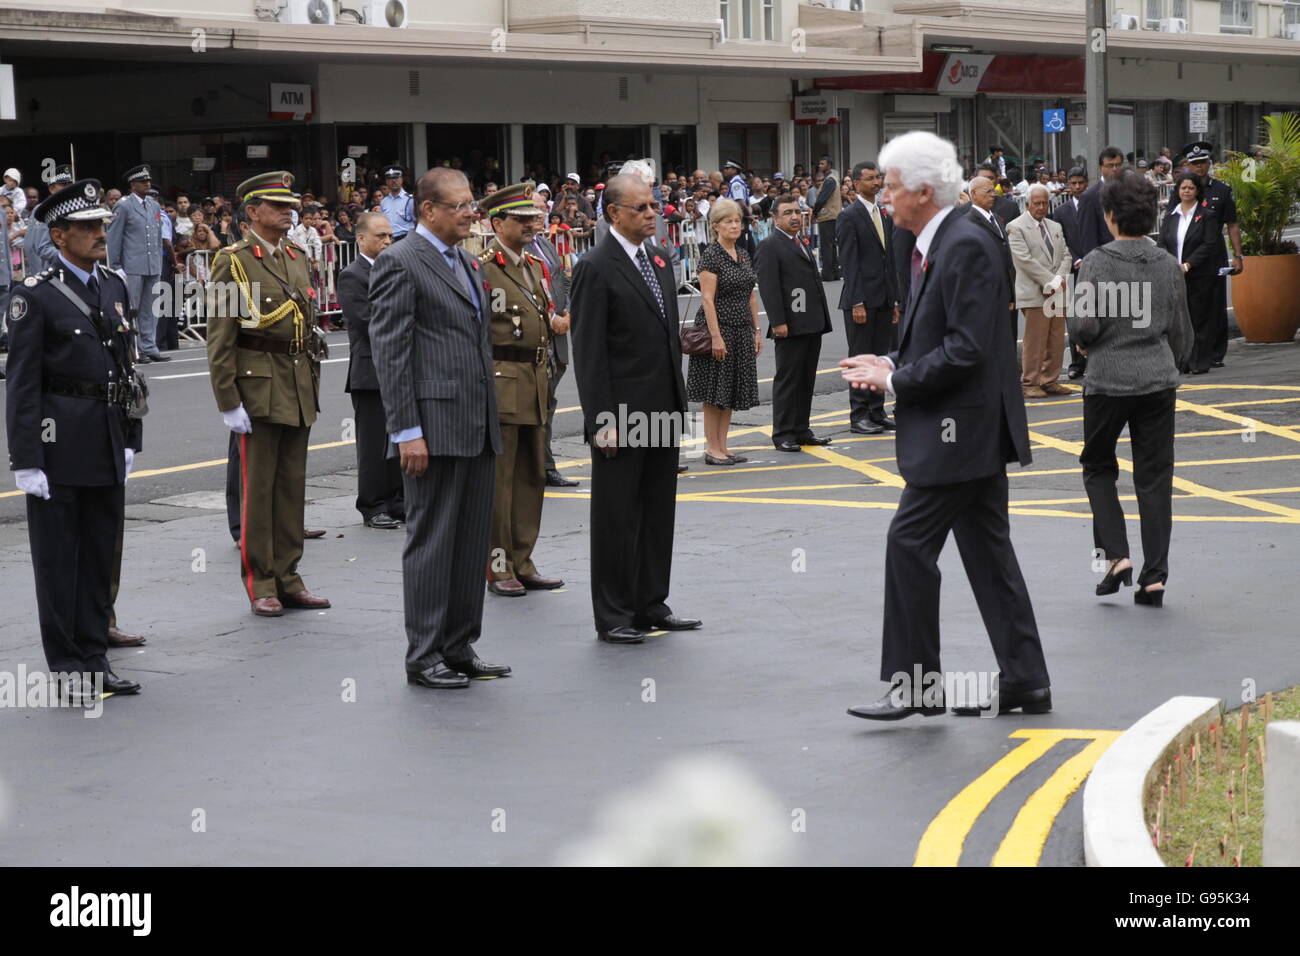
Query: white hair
[(1040, 188), (923, 159), (642, 169), (979, 181)]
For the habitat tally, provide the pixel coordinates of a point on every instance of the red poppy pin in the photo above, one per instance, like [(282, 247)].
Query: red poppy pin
[(257, 251), (925, 266), (311, 293), (659, 262), (474, 263), (501, 258), (487, 286), (1197, 219), (806, 242)]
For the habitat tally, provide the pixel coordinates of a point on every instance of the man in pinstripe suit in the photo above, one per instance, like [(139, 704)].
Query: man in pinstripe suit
[(432, 350)]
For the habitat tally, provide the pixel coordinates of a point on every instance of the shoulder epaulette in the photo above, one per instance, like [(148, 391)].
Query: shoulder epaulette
[(485, 256), (39, 277)]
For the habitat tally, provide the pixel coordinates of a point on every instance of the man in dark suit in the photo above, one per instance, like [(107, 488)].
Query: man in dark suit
[(430, 341), (797, 318), (869, 296), (961, 418), (558, 282), (1092, 222), (981, 212), (379, 478), (628, 364), (1067, 214)]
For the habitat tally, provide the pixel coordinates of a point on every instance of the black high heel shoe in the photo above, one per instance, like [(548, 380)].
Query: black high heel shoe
[(1111, 582), (1154, 598)]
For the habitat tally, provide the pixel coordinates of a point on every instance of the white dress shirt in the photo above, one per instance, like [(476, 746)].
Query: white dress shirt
[(1184, 223)]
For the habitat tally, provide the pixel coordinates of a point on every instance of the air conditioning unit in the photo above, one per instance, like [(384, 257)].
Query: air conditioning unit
[(307, 11), (1173, 25), (385, 13), (1293, 31), (1123, 21)]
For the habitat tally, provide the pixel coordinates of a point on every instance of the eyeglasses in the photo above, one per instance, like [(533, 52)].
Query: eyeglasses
[(457, 207), (640, 208)]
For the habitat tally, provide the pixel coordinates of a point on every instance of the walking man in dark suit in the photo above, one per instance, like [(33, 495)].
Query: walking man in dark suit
[(429, 338), (869, 295), (961, 418), (1067, 214), (982, 199), (379, 478), (797, 318), (628, 364)]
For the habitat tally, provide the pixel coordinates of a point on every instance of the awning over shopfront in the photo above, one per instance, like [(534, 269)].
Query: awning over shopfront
[(970, 73)]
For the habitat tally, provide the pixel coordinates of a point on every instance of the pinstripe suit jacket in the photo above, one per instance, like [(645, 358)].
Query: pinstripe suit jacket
[(432, 350)]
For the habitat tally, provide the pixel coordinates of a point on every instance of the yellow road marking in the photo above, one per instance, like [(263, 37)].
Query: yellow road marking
[(942, 842), (1212, 411), (861, 467)]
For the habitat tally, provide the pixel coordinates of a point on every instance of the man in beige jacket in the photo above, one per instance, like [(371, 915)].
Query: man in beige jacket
[(1042, 262)]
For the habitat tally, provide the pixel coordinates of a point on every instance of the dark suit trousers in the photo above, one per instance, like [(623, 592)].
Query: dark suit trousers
[(633, 509), (976, 513), (1202, 309), (870, 338), (72, 537), (1150, 421), (827, 251), (448, 517), (557, 370), (379, 478), (1219, 343), (792, 388)]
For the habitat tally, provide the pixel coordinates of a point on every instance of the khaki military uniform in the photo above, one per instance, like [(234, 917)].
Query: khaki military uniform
[(520, 313), (268, 360)]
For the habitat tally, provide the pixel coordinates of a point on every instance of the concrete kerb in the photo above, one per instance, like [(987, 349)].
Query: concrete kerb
[(1114, 824)]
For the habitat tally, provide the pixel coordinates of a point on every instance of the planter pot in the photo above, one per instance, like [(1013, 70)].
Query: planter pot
[(1266, 298)]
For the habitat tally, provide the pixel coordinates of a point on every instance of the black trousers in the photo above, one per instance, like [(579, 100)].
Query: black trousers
[(633, 508), (1202, 309), (870, 338), (826, 249), (792, 388), (976, 513), (1219, 342), (379, 478), (72, 537), (1150, 421), (557, 370)]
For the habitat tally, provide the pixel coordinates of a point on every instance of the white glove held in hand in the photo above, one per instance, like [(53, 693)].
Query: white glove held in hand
[(1052, 286), (237, 420), (32, 481), (130, 459)]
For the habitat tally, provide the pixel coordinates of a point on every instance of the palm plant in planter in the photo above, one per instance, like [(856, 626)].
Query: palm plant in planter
[(1266, 295)]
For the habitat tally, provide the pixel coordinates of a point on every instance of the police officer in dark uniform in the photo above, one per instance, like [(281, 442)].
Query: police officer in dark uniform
[(1219, 202), (72, 437)]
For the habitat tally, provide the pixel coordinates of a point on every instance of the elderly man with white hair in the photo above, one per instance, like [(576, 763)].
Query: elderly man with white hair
[(1042, 260), (960, 418)]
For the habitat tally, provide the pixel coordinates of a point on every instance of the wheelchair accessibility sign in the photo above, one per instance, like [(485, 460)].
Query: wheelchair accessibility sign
[(1053, 121)]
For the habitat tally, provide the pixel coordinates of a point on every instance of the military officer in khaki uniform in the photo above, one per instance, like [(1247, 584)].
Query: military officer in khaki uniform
[(520, 308), (264, 351)]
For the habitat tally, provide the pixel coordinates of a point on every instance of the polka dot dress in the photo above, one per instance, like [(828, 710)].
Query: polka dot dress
[(733, 382)]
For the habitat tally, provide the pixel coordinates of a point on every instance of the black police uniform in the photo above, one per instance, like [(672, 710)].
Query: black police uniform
[(66, 412), (1217, 200)]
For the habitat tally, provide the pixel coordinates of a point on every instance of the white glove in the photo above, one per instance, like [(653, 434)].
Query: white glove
[(1052, 286), (237, 420), (130, 459), (32, 481)]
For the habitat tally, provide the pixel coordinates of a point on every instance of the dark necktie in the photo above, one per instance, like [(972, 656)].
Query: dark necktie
[(643, 263), (917, 259), (1042, 227), (996, 228), (458, 269), (92, 283)]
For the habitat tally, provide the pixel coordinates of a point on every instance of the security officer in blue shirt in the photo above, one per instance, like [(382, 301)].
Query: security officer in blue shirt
[(71, 416), (397, 203), (135, 247)]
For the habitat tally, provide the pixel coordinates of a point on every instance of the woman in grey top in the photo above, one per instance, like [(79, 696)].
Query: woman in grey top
[(1130, 319)]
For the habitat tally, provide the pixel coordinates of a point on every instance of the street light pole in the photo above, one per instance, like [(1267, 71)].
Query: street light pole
[(1094, 79)]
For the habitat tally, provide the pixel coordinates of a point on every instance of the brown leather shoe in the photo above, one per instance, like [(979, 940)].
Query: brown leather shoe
[(314, 534), (305, 599), (1054, 389), (507, 588), (118, 638), (1035, 392), (267, 607), (536, 582)]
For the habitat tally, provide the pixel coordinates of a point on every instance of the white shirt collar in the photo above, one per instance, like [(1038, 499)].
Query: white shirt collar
[(631, 248), (1178, 210), (870, 205), (366, 257), (926, 235)]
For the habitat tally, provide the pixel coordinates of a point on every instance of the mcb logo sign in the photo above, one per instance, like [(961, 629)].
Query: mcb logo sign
[(962, 72)]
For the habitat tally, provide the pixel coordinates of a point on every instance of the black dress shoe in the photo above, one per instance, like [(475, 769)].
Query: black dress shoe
[(892, 707), (1029, 701), (383, 522), (556, 480), (621, 635), (1200, 371), (674, 623), (160, 358), (119, 685), (788, 446), (867, 428), (1216, 365), (1074, 373), (813, 440), (438, 677), (682, 469), (478, 668), (885, 422)]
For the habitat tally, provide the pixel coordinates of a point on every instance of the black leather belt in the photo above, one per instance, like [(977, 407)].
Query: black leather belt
[(513, 353), (109, 392), (258, 343)]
